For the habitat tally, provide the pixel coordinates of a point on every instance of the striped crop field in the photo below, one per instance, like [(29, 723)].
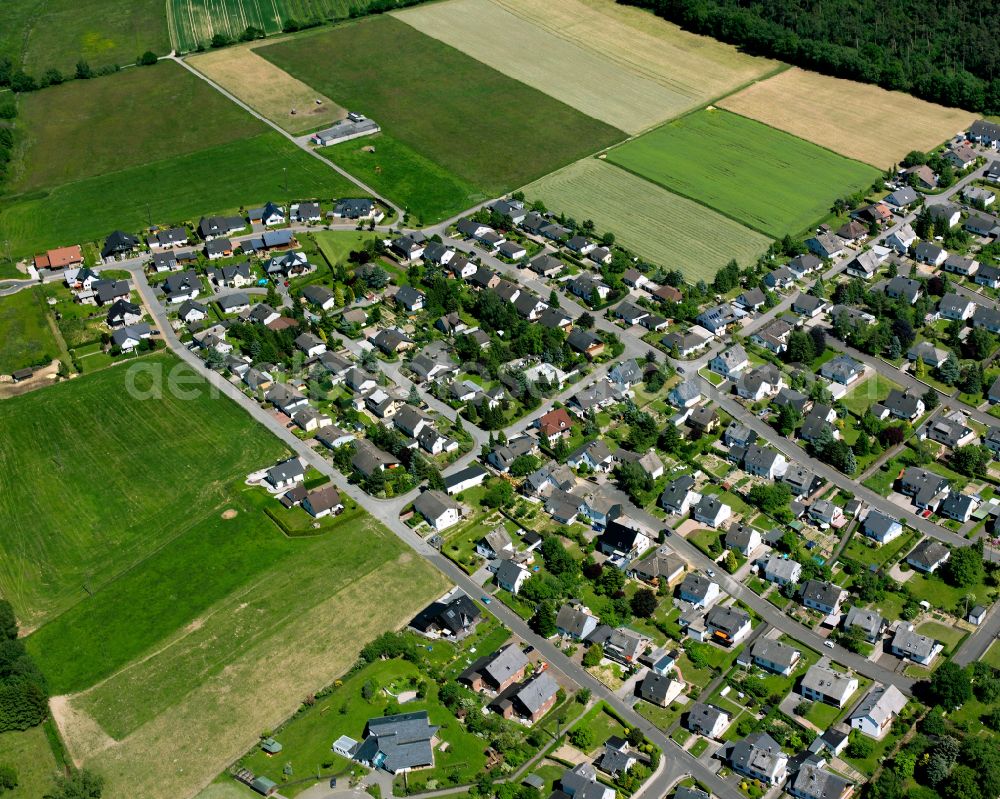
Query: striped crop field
[(670, 231), (194, 22)]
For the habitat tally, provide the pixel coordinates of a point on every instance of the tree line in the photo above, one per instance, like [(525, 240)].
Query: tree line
[(942, 52)]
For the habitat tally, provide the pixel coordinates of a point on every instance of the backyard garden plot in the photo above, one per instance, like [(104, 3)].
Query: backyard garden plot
[(762, 177), (42, 34), (478, 124), (265, 88), (857, 120), (669, 230), (579, 77), (696, 69), (215, 180)]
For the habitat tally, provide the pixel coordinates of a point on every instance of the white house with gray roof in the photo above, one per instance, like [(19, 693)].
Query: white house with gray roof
[(908, 644), (822, 683)]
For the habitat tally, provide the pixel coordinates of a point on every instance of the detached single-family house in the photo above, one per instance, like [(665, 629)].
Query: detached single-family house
[(511, 575), (759, 757), (902, 238), (131, 336), (268, 215), (438, 509), (928, 556), (904, 288), (880, 527), (910, 645), (698, 589), (931, 254), (843, 369), (812, 781), (821, 683), (870, 622), (781, 570), (825, 245), (904, 405), (727, 626), (711, 510), (773, 656), (730, 363), (822, 596), (679, 495), (876, 712), (707, 720)]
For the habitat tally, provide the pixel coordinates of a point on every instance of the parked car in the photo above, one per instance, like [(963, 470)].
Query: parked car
[(486, 600), (828, 644)]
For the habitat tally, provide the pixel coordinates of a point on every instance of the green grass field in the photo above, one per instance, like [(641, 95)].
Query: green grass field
[(88, 128), (30, 754), (479, 125), (215, 180), (25, 336), (94, 481), (416, 184), (39, 34), (336, 245), (667, 229), (766, 179), (194, 22)]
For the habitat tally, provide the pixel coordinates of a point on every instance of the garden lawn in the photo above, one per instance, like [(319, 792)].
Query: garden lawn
[(26, 339), (336, 245), (766, 179), (478, 124), (951, 637), (941, 595), (43, 34), (992, 655), (662, 717), (665, 228), (859, 550), (169, 191), (427, 191), (874, 389), (87, 128), (85, 468), (601, 723)]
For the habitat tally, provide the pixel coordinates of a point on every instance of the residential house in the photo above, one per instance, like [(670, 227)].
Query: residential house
[(707, 720), (368, 458), (923, 175), (685, 394), (585, 343), (951, 214), (764, 462), (751, 299), (130, 337), (410, 299), (659, 689), (510, 576), (496, 672), (438, 509), (174, 237), (843, 369), (774, 336), (928, 556), (398, 743), (363, 208), (118, 245), (984, 225), (780, 278), (812, 781), (699, 590), (743, 539), (454, 615), (781, 570), (575, 621), (285, 474), (759, 757), (322, 502), (595, 455), (952, 431), (285, 399), (530, 701), (729, 363), (926, 488), (959, 507), (625, 539), (870, 622), (711, 510), (802, 265), (822, 596), (630, 313), (727, 626), (122, 313), (268, 215), (927, 253), (464, 479), (554, 424), (581, 245), (661, 567), (679, 495), (825, 245), (876, 712), (880, 527), (901, 198), (901, 239), (904, 405), (182, 286), (910, 645), (809, 306), (820, 418), (685, 344), (801, 480), (853, 232), (864, 265), (392, 340), (773, 656), (191, 311), (904, 288), (310, 345), (823, 511), (822, 683), (718, 319)]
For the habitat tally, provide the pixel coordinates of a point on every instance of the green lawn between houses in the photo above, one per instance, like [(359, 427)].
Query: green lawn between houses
[(480, 126), (764, 178), (601, 723), (939, 594)]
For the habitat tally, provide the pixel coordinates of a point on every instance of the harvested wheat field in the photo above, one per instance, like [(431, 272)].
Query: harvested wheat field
[(586, 80), (696, 68), (670, 231), (199, 702), (268, 89), (860, 121)]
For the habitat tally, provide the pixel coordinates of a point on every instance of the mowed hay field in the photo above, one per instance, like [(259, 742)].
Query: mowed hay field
[(93, 481), (480, 125), (267, 89), (668, 230), (858, 120), (42, 34), (216, 180), (762, 177), (87, 128), (579, 77), (696, 69)]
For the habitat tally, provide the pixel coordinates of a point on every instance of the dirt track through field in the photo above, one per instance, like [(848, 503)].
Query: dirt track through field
[(860, 121)]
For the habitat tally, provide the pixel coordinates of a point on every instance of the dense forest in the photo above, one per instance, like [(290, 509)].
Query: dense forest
[(945, 51)]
